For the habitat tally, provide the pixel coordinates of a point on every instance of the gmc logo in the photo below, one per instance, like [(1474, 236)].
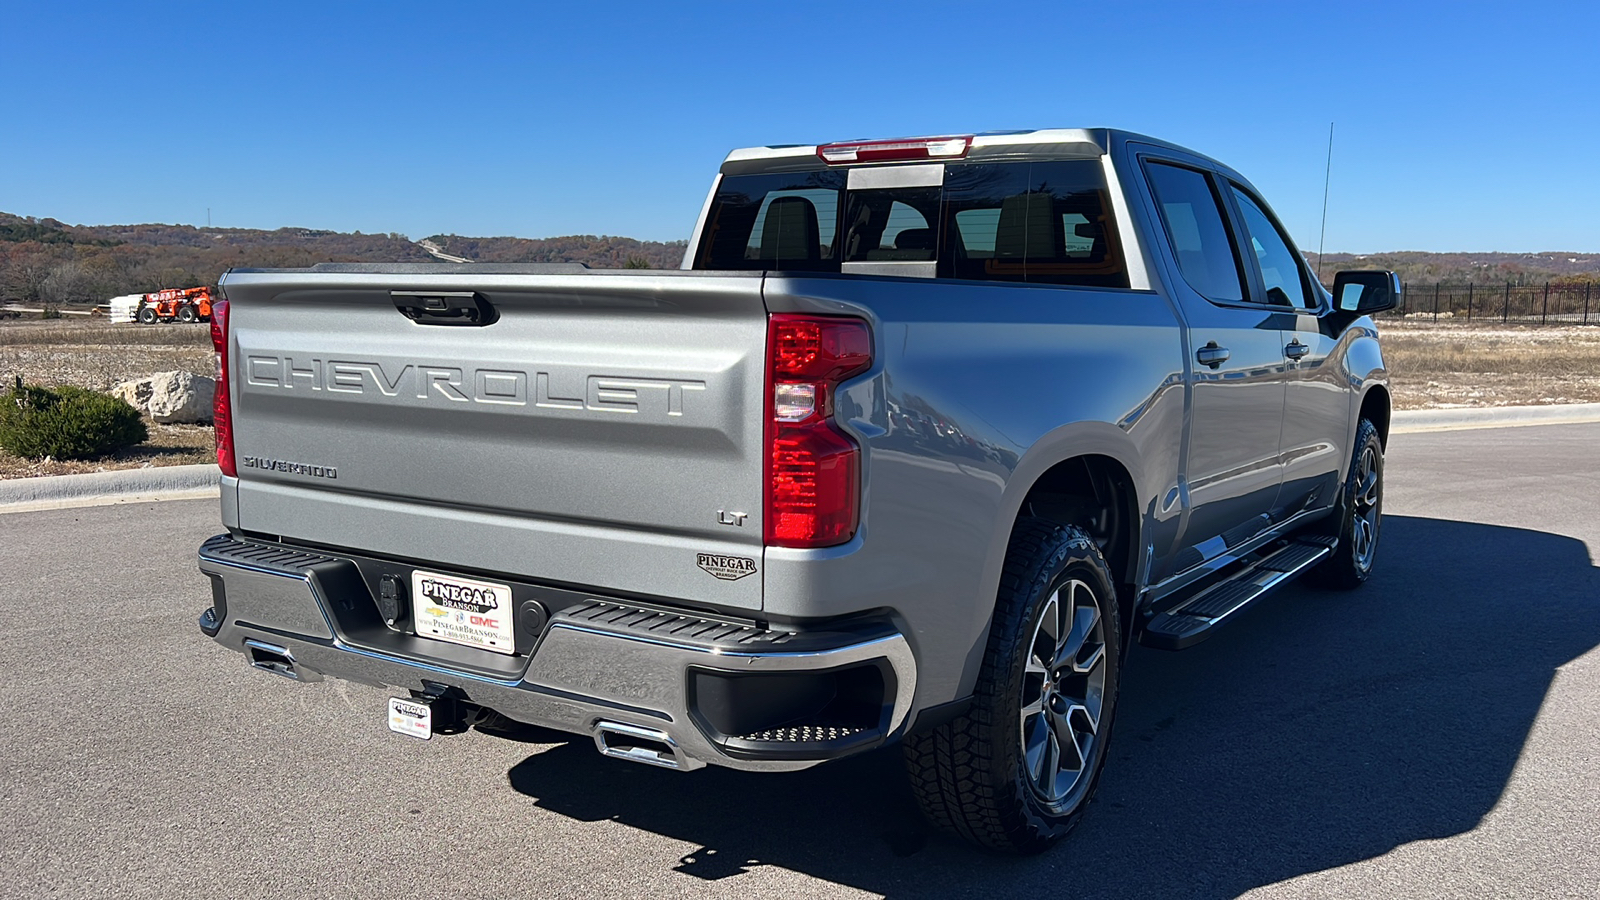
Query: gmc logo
[(453, 384)]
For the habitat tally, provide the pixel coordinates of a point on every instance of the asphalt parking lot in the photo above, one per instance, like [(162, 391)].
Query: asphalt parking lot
[(1435, 734)]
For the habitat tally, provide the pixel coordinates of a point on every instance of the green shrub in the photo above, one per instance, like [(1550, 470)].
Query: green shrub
[(50, 311), (66, 423)]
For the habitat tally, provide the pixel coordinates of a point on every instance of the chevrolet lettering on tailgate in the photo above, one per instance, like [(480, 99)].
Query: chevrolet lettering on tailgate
[(455, 384)]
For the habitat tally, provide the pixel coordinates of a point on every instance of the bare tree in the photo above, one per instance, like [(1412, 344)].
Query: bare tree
[(67, 282), (24, 279)]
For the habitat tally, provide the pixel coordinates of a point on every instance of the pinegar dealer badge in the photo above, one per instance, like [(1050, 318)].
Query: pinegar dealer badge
[(727, 568)]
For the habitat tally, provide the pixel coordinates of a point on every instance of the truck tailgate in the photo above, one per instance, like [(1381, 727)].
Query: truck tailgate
[(590, 435)]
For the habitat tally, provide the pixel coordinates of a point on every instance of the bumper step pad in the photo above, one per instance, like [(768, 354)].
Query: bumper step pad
[(705, 632), (804, 734)]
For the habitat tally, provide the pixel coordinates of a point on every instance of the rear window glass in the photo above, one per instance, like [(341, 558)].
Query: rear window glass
[(788, 221), (895, 225), (1042, 222), (1038, 222)]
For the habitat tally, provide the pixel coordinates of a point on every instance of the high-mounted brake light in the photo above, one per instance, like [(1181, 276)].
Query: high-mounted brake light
[(813, 485), (221, 405), (950, 147)]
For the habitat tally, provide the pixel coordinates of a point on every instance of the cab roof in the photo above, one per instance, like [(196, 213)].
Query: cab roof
[(1043, 143)]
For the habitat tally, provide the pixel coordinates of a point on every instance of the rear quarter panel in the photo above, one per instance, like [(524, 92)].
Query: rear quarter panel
[(976, 390)]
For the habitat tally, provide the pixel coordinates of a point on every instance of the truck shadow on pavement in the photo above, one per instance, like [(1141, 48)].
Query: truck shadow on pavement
[(1320, 730)]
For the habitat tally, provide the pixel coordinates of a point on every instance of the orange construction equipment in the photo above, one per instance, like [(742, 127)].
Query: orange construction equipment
[(180, 304)]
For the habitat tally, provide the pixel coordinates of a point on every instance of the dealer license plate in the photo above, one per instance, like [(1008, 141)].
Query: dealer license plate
[(463, 611), (410, 718)]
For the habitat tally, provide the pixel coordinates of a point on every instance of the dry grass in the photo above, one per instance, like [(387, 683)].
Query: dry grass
[(95, 354), (168, 445), (1454, 365)]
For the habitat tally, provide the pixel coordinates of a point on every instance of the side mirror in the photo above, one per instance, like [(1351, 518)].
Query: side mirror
[(1366, 291)]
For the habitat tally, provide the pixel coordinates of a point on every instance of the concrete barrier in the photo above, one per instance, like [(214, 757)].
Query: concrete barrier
[(104, 488), (1412, 421)]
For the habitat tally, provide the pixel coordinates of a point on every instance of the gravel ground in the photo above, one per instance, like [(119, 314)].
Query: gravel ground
[(93, 353), (1449, 365)]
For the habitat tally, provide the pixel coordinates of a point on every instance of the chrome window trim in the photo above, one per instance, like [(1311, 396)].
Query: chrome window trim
[(700, 224), (1133, 256)]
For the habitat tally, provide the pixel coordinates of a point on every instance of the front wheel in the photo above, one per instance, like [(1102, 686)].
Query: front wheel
[(1359, 515), (147, 315), (1015, 771)]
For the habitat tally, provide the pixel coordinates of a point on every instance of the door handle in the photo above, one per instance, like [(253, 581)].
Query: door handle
[(1211, 355), (1295, 350)]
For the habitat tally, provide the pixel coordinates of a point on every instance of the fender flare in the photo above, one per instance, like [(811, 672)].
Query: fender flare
[(1053, 448)]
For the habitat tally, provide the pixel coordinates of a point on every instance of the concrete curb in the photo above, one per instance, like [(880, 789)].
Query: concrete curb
[(1415, 421), (105, 488)]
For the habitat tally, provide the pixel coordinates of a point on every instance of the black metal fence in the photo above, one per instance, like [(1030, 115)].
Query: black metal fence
[(1538, 304)]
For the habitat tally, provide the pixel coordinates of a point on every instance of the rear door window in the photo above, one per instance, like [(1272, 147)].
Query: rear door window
[(1197, 231)]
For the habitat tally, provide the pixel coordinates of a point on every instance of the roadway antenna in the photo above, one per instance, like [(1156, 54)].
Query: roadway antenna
[(1327, 174)]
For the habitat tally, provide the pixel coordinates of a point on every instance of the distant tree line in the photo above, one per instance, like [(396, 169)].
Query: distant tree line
[(1516, 269), (46, 262), (596, 251)]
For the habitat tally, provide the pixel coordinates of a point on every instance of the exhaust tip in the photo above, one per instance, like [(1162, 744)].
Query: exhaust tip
[(277, 660), (639, 744)]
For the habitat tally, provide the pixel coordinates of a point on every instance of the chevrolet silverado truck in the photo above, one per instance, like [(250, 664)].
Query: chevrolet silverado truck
[(923, 435)]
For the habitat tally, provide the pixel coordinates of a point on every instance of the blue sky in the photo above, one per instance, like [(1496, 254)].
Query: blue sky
[(1460, 126)]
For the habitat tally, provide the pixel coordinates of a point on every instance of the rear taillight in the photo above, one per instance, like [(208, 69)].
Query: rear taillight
[(813, 490), (221, 406), (899, 150)]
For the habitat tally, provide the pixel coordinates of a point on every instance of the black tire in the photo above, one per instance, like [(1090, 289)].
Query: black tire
[(975, 776), (186, 314), (1359, 516), (147, 315)]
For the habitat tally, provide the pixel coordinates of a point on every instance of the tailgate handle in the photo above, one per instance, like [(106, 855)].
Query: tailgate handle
[(445, 307)]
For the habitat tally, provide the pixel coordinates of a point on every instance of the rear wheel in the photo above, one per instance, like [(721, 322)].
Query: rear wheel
[(1359, 515), (1015, 771), (186, 314)]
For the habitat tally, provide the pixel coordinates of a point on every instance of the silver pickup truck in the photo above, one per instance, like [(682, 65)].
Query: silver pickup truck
[(924, 434)]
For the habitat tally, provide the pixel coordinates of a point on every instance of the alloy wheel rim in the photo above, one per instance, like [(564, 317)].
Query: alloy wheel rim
[(1063, 695), (1366, 506)]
